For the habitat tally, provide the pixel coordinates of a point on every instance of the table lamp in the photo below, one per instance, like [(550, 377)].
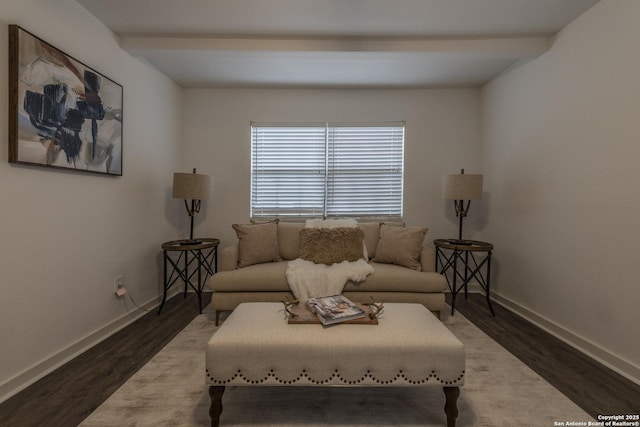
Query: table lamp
[(462, 188), (194, 187)]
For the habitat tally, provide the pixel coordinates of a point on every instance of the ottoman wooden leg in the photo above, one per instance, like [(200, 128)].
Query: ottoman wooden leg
[(451, 406), (215, 393)]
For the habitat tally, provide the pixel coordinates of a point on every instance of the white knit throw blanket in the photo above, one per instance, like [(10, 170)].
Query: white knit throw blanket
[(309, 280)]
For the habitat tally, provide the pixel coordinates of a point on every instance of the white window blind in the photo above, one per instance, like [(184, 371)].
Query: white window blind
[(327, 170), (365, 171)]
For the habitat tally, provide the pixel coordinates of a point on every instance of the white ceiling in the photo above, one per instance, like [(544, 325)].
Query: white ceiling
[(335, 43)]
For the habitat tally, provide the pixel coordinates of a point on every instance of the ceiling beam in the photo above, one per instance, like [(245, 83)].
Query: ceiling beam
[(521, 47)]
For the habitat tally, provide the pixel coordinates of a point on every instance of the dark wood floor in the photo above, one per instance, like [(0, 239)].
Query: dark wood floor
[(595, 388), (69, 394)]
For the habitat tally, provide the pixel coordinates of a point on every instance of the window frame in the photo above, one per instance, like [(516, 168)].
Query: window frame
[(390, 143)]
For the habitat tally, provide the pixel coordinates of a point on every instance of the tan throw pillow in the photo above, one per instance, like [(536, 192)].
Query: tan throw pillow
[(331, 245), (400, 246), (289, 239), (371, 236), (257, 243)]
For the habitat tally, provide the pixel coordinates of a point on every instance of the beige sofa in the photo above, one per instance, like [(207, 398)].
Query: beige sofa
[(266, 281)]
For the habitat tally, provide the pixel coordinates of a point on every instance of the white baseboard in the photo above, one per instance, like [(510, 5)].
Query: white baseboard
[(37, 371), (624, 367)]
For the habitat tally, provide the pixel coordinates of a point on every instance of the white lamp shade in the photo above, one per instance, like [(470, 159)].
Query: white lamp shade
[(192, 186), (462, 187)]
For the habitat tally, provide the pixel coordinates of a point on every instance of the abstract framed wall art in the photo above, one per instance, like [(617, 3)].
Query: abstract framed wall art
[(62, 113)]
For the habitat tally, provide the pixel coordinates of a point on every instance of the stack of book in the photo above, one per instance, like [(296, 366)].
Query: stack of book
[(335, 309)]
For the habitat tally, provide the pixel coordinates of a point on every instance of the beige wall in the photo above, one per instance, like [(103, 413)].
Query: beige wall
[(441, 136), (63, 235), (561, 145)]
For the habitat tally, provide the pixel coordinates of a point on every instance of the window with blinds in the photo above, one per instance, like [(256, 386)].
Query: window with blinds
[(327, 170)]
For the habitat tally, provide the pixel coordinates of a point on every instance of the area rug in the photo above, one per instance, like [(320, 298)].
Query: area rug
[(170, 390)]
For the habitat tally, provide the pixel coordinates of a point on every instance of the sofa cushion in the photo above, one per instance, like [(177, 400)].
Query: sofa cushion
[(331, 245), (400, 245), (330, 223), (268, 277), (289, 239), (257, 243), (395, 278), (371, 236)]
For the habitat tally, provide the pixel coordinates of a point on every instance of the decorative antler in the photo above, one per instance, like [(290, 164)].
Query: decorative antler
[(376, 308), (288, 303)]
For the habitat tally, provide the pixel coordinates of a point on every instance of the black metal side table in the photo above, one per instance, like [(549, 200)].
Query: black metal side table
[(194, 261), (451, 252)]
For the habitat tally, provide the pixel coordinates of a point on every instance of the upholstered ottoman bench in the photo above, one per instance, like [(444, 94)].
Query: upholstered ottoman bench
[(255, 346)]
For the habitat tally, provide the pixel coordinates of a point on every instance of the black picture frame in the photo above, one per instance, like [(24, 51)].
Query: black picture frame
[(62, 113)]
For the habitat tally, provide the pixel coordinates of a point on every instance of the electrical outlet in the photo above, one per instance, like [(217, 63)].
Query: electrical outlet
[(118, 285)]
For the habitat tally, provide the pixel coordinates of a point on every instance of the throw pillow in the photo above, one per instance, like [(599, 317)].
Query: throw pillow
[(371, 236), (257, 243), (331, 245), (289, 239), (400, 246)]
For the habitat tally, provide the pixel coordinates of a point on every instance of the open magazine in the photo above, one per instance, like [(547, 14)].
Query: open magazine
[(334, 309)]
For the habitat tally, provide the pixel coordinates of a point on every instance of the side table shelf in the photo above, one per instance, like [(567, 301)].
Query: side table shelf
[(193, 265), (451, 253)]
